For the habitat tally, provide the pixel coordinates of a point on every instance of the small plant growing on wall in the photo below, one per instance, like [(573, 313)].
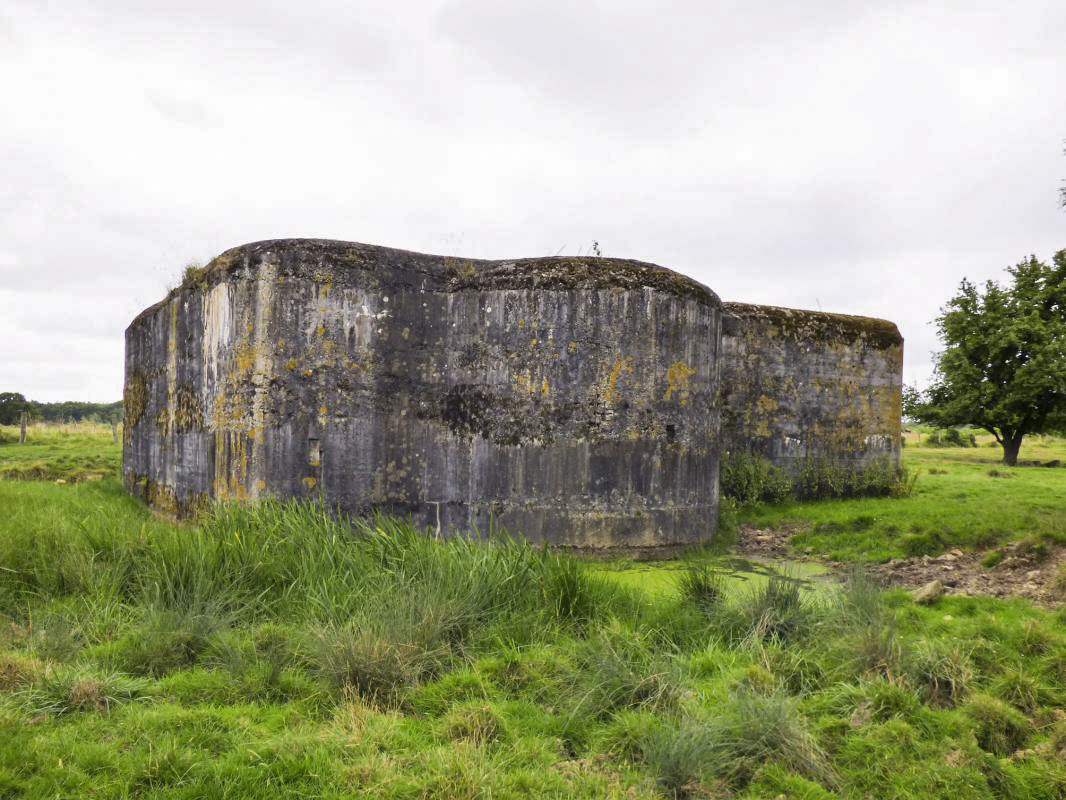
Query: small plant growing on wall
[(194, 276)]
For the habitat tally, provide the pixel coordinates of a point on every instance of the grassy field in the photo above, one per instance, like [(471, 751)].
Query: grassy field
[(82, 451), (276, 651), (962, 497)]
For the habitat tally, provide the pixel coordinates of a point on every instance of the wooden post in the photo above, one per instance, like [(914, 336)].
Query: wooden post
[(114, 431), (22, 427)]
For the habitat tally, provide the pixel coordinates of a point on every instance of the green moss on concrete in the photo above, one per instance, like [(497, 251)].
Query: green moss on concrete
[(135, 400), (188, 411)]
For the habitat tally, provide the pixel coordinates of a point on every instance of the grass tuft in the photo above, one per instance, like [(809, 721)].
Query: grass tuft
[(477, 723), (65, 690), (621, 670), (941, 671), (998, 728), (702, 586), (1023, 692), (165, 641), (778, 611), (378, 660), (750, 730), (18, 671)]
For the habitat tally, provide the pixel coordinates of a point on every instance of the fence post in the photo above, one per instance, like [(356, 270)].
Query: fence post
[(22, 427), (114, 431)]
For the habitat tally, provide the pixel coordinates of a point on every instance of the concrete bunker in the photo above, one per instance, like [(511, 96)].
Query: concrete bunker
[(572, 400), (807, 385)]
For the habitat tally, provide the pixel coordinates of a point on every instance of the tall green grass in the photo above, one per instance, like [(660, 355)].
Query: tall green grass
[(285, 650), (384, 607), (297, 560)]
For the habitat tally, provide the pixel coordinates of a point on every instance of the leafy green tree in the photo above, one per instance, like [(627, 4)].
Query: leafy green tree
[(1003, 367), (12, 404)]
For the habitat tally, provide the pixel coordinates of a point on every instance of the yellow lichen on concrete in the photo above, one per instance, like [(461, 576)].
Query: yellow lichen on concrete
[(760, 417), (134, 402), (161, 498), (388, 482), (172, 363), (188, 413), (245, 357), (889, 403), (162, 422), (678, 380), (622, 366), (530, 383), (766, 405), (522, 383), (231, 466), (324, 283)]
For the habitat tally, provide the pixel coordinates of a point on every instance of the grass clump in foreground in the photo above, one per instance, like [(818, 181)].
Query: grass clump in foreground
[(741, 736), (278, 650)]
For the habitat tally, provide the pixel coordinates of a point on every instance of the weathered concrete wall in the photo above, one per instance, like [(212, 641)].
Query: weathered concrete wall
[(805, 384), (573, 401)]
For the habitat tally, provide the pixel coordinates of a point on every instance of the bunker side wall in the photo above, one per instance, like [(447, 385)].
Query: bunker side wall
[(800, 385)]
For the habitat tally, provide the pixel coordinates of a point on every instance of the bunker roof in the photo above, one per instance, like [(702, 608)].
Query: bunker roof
[(812, 325), (447, 273)]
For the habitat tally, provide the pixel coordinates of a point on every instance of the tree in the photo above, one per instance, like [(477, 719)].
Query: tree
[(12, 404), (1003, 367)]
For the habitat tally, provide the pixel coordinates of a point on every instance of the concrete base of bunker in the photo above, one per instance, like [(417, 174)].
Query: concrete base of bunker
[(570, 401)]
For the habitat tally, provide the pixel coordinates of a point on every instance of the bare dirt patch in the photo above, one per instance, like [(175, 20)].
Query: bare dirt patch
[(769, 543), (1021, 573), (1028, 571)]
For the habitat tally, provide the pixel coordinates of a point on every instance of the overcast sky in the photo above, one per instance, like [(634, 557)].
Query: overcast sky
[(859, 157)]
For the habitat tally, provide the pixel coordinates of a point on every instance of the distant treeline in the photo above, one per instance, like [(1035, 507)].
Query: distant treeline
[(12, 404)]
